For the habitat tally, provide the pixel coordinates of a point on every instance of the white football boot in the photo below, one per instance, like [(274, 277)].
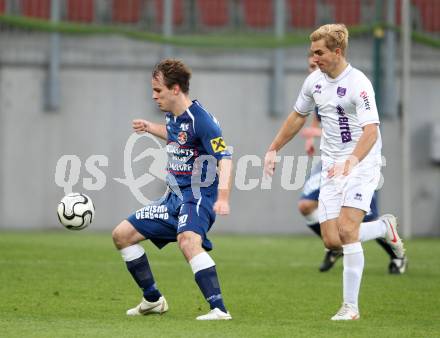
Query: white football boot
[(391, 236), (147, 308), (215, 314), (347, 312)]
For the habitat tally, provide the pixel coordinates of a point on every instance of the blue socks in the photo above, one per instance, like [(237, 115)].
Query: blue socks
[(207, 281), (316, 228), (141, 272)]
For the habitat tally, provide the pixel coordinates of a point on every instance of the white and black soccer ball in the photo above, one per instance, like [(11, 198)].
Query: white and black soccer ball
[(76, 211)]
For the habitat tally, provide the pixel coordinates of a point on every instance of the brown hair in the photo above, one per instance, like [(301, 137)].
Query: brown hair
[(174, 72), (335, 36)]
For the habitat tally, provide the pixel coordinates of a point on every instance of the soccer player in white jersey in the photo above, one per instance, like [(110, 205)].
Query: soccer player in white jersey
[(351, 156), (308, 203)]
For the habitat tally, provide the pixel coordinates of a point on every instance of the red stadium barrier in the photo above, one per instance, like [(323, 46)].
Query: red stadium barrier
[(177, 12), (35, 8), (302, 13), (80, 10), (430, 14), (258, 13), (213, 13), (127, 11), (346, 11)]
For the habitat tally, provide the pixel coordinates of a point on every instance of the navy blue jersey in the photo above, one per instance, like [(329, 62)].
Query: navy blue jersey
[(194, 136), (317, 113)]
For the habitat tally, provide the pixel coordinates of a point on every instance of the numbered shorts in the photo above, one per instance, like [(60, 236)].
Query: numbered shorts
[(312, 188), (161, 221), (355, 190)]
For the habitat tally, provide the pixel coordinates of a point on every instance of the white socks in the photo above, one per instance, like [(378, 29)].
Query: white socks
[(352, 275), (372, 230), (132, 252), (201, 261)]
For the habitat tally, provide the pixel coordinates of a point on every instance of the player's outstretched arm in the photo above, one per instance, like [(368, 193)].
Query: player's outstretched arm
[(144, 126), (221, 206), (288, 130)]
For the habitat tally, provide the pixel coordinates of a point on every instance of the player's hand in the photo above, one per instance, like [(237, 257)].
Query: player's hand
[(140, 126), (269, 163), (309, 146), (308, 132), (221, 207), (343, 168)]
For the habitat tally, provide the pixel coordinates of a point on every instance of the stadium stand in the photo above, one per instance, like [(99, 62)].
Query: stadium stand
[(2, 6), (35, 8), (126, 11), (302, 13), (258, 13), (213, 13), (80, 10), (346, 11), (430, 14), (178, 8)]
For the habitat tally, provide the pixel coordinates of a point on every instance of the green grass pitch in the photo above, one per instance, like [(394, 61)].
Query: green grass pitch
[(67, 284)]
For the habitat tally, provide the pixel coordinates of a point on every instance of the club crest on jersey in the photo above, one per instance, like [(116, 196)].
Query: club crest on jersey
[(341, 91), (317, 89), (218, 144), (182, 137)]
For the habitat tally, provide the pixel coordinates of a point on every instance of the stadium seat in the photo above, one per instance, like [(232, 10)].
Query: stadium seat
[(258, 13), (302, 13), (126, 11), (80, 10), (430, 14), (346, 11), (213, 13), (35, 8), (398, 13), (178, 7)]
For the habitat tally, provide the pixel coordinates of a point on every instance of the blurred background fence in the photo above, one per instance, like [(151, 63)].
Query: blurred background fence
[(196, 16), (73, 73)]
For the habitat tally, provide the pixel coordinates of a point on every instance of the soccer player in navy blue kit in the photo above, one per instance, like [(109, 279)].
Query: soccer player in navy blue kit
[(199, 175)]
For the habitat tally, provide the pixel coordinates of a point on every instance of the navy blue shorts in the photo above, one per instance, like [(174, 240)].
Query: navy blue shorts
[(161, 221), (311, 186), (311, 192)]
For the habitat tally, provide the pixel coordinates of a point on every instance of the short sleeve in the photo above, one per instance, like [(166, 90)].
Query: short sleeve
[(365, 103), (305, 102), (209, 132)]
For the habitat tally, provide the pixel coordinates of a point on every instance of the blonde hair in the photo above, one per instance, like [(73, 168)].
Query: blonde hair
[(335, 36)]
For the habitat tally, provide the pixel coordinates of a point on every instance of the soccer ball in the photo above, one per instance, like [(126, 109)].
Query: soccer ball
[(76, 211)]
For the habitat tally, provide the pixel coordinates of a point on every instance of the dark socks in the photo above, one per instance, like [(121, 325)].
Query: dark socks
[(141, 272), (386, 247), (207, 281), (316, 228)]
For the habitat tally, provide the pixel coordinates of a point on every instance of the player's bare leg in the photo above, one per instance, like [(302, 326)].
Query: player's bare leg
[(203, 267), (126, 239), (330, 234), (308, 209)]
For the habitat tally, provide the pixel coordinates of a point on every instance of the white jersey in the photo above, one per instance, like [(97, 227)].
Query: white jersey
[(345, 105)]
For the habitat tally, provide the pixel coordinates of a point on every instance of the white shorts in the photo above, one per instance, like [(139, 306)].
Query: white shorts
[(355, 190)]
